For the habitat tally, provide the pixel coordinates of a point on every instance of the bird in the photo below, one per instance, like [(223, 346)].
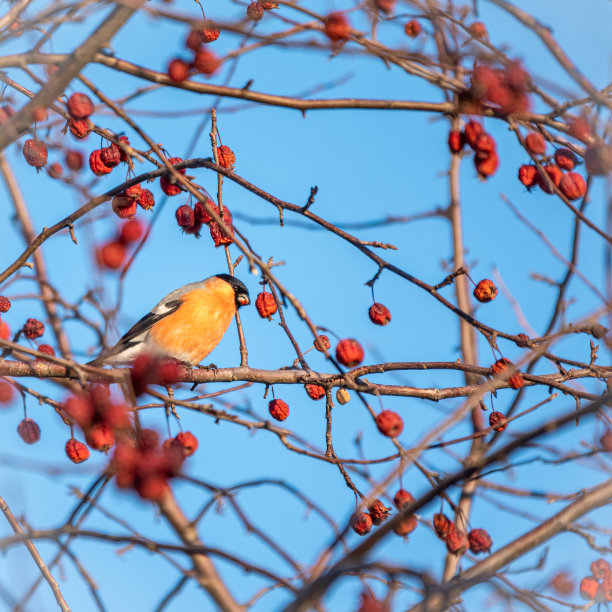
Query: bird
[(186, 325)]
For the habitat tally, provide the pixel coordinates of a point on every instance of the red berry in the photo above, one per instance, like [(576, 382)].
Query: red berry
[(528, 175), (35, 152), (227, 159), (279, 410), (80, 409), (55, 170), (76, 451), (600, 569), (168, 187), (485, 290), (562, 583), (79, 128), (412, 28), (33, 328), (406, 525), (96, 165), (79, 106), (455, 141), (478, 30), (178, 70), (535, 144), (443, 526), (497, 421), (131, 231), (255, 11), (337, 27), (588, 587), (46, 349), (219, 235), (349, 352), (111, 255), (389, 423), (110, 156), (74, 160), (206, 62), (502, 366), (565, 159), (485, 143), (314, 392), (123, 206), (486, 166), (100, 437), (379, 513), (5, 331), (6, 392), (321, 343), (456, 542), (152, 487), (605, 589), (188, 441), (554, 174), (122, 154), (361, 523), (5, 304), (472, 131), (265, 304), (386, 6), (185, 216), (146, 199), (29, 431), (480, 541), (210, 32), (402, 498), (379, 314), (202, 215), (572, 186)]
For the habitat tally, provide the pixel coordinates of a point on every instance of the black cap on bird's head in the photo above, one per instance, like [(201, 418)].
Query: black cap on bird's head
[(241, 293)]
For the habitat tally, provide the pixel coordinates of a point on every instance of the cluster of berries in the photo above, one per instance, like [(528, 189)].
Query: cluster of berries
[(190, 220), (255, 10), (151, 370), (112, 254), (125, 204), (361, 523), (598, 586), (102, 161), (506, 88), (486, 159), (457, 541), (204, 61)]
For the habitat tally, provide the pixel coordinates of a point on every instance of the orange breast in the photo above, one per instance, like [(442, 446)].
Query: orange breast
[(195, 329)]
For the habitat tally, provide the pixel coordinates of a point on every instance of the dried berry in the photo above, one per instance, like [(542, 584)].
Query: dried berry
[(6, 393), (227, 159), (178, 70), (485, 290), (486, 166), (456, 542), (554, 173), (600, 569), (361, 523), (480, 541), (46, 349), (100, 436), (485, 143), (455, 141), (406, 525), (562, 583), (218, 234), (168, 187), (39, 114), (5, 332), (29, 431), (389, 423), (202, 215), (210, 32), (502, 366), (255, 11), (5, 304), (185, 216), (79, 106), (337, 27), (386, 6), (349, 352), (314, 392), (379, 513), (472, 131), (443, 526), (402, 498), (123, 206), (572, 186), (146, 199), (343, 396), (527, 174), (598, 159), (111, 255), (55, 170), (588, 587), (580, 128), (479, 30), (35, 152), (279, 410), (33, 328), (110, 156), (497, 421), (565, 159), (79, 128), (265, 304), (188, 442), (96, 165), (321, 343), (131, 231), (379, 314), (206, 62), (268, 5), (412, 28), (605, 589), (535, 144), (76, 451), (124, 140), (80, 409)]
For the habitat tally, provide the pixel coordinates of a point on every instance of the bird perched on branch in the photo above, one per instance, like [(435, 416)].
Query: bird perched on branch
[(186, 325)]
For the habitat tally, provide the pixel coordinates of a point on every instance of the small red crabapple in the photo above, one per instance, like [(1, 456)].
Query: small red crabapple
[(516, 381), (588, 587), (349, 352), (322, 343), (485, 291), (111, 255), (455, 141), (406, 525), (478, 30), (361, 523), (33, 329), (554, 173), (79, 106), (178, 70), (337, 27), (35, 152), (74, 160), (412, 28), (97, 165), (402, 498), (497, 421), (29, 431), (600, 569), (480, 541), (278, 409), (379, 314), (265, 304), (565, 159), (131, 231), (79, 128), (527, 175), (315, 392), (442, 525), (226, 156), (188, 442), (100, 436), (472, 131), (456, 542), (535, 144), (389, 423), (486, 166), (562, 583), (76, 451), (572, 186), (598, 159), (6, 393), (255, 11), (5, 304), (379, 513)]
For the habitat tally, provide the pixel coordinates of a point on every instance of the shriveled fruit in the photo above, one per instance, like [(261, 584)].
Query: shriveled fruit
[(349, 352), (265, 304), (337, 27), (29, 431), (35, 152), (389, 423), (485, 290), (278, 409), (361, 523), (379, 314), (76, 451), (572, 186)]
